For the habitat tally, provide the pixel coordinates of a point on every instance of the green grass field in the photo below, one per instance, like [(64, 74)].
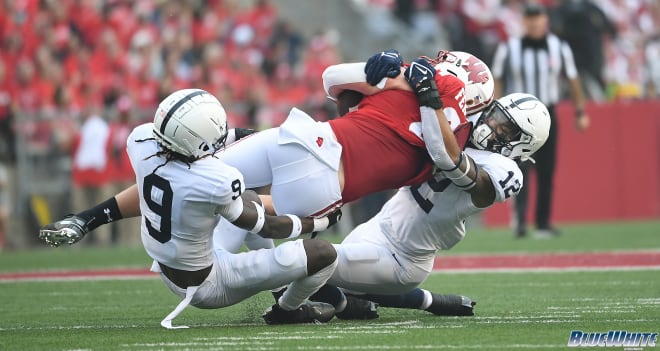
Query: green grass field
[(515, 311)]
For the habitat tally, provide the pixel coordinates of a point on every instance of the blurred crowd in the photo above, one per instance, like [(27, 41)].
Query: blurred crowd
[(616, 42), (63, 58), (77, 75)]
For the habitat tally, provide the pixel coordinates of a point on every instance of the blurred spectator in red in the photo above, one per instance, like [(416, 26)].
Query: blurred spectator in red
[(121, 174), (149, 48), (90, 173), (30, 91), (482, 30)]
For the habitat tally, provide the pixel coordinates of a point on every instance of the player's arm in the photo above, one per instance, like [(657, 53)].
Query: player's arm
[(247, 212), (73, 228), (382, 71), (440, 141)]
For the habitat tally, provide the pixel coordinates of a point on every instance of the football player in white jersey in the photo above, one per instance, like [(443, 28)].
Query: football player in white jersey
[(394, 252), (183, 190)]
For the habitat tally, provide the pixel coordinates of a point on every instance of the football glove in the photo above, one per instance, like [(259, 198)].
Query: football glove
[(69, 230), (383, 64), (333, 218), (420, 75)]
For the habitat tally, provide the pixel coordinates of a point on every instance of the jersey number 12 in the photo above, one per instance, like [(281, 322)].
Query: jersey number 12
[(437, 186)]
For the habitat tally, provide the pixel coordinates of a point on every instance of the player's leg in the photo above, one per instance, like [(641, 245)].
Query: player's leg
[(545, 168), (250, 156), (303, 264), (520, 203), (366, 264), (422, 299), (302, 184)]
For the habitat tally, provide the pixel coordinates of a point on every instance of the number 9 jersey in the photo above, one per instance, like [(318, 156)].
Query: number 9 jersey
[(181, 203)]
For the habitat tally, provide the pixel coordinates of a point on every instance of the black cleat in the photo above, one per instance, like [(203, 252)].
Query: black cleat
[(357, 308), (309, 312), (451, 305)]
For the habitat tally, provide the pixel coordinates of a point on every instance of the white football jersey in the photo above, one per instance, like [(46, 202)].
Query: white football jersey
[(419, 220), (179, 202)]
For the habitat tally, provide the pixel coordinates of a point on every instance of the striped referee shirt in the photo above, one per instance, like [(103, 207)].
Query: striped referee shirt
[(534, 67)]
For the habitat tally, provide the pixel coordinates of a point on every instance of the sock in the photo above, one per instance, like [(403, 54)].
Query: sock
[(428, 300), (301, 289), (413, 299), (332, 295), (103, 213)]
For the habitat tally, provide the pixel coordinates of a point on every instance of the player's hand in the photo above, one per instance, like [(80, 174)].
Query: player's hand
[(421, 77), (333, 218), (582, 122), (69, 230), (383, 64)]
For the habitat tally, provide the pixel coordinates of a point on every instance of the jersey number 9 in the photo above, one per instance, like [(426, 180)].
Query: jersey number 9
[(162, 206)]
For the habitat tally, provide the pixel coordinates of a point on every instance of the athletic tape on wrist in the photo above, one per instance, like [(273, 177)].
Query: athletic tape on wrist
[(296, 229), (321, 224), (261, 218), (461, 177)]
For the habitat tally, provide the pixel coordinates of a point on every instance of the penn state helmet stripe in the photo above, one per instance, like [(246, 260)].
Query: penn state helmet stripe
[(176, 107), (520, 101)]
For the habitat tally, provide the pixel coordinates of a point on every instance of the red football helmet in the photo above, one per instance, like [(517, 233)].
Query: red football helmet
[(479, 84)]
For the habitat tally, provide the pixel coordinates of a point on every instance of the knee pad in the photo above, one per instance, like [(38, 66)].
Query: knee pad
[(291, 253)]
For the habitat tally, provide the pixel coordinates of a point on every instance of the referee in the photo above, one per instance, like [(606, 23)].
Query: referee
[(536, 64)]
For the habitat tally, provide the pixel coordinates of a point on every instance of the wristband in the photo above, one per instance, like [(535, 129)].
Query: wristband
[(321, 224), (296, 229), (261, 218), (579, 112)]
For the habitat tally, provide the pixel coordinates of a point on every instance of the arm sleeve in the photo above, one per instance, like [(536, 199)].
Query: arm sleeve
[(435, 143), (338, 78), (227, 194)]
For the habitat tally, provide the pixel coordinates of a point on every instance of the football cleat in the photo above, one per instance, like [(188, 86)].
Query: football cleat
[(65, 231), (309, 312), (451, 305), (357, 308)]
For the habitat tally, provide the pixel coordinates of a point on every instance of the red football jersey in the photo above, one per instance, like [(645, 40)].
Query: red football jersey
[(381, 140)]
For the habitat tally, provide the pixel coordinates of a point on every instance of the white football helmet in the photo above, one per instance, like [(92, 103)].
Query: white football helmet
[(515, 126), (479, 84), (191, 122)]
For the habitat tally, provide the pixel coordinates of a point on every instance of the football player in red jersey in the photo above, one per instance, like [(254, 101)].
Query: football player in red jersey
[(379, 146), (314, 167)]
